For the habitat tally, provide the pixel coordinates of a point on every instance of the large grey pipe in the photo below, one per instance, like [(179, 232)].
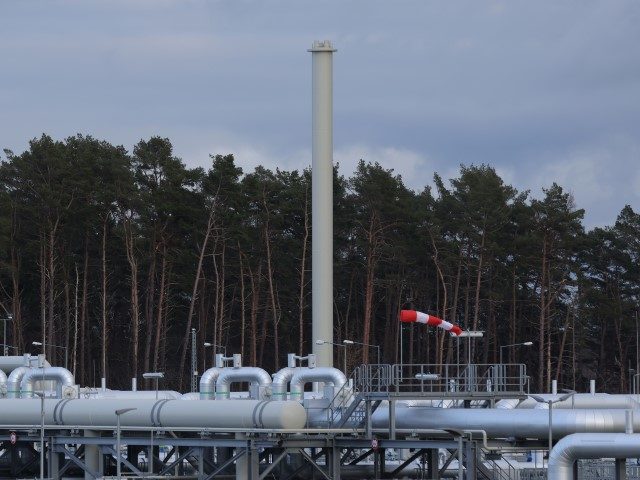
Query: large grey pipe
[(280, 380), (10, 363), (499, 423), (322, 202), (62, 376), (3, 380), (242, 374), (583, 400), (208, 383), (13, 382), (590, 445), (152, 413), (318, 374)]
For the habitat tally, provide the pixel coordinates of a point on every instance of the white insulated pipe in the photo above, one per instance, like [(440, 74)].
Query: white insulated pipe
[(589, 445), (62, 377), (322, 202), (302, 376), (502, 423), (208, 383), (155, 413), (253, 375)]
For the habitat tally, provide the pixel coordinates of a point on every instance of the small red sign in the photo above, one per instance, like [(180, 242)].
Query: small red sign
[(374, 443)]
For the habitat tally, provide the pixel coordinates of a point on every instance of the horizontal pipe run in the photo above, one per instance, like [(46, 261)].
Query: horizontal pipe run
[(172, 414), (500, 423)]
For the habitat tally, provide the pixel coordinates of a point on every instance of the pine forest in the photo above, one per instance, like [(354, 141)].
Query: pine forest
[(115, 255)]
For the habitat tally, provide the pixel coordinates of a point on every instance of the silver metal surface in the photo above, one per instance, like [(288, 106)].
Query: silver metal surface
[(62, 376), (208, 383), (589, 445), (242, 374), (329, 375)]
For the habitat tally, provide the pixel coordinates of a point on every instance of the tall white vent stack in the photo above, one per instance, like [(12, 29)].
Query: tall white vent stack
[(322, 202)]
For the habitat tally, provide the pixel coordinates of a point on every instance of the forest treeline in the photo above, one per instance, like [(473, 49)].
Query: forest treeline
[(117, 255)]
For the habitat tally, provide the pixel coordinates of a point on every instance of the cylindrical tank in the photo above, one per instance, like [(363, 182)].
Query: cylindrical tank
[(161, 413)]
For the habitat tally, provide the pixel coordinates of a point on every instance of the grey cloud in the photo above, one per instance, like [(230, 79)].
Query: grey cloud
[(538, 89)]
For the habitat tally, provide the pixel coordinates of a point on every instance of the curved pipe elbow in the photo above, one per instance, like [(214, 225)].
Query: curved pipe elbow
[(208, 383), (242, 374), (589, 445), (319, 374), (14, 380), (62, 376), (280, 380)]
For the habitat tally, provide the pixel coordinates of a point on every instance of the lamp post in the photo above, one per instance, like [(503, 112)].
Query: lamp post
[(66, 351), (211, 344), (550, 403), (344, 356), (156, 376), (120, 412), (525, 344), (353, 342), (41, 395), (8, 318)]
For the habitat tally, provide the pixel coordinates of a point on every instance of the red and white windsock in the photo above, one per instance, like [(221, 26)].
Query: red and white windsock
[(419, 317)]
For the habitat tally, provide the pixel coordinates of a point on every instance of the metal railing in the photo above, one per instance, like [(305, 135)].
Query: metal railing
[(439, 378)]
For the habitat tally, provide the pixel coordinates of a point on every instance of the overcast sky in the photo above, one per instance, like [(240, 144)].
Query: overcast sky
[(542, 90)]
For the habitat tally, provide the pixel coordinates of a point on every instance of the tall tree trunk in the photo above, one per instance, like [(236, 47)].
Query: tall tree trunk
[(135, 302), (194, 294), (51, 290), (161, 304), (476, 307), (84, 360), (149, 301), (43, 289), (272, 296), (16, 299), (242, 304), (541, 331), (103, 297), (303, 267), (76, 293), (255, 305)]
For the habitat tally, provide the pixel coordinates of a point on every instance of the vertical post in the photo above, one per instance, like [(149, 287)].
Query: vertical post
[(322, 201), (392, 419), (194, 360), (621, 469), (550, 429), (42, 433), (4, 338), (118, 448)]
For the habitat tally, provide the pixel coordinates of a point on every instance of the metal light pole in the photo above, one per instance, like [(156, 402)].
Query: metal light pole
[(8, 318), (352, 342), (344, 352), (210, 344), (41, 395), (156, 376), (120, 412), (66, 351), (194, 360), (526, 344), (550, 405)]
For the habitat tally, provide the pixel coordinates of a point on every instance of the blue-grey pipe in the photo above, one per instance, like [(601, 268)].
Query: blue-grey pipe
[(590, 445), (208, 383), (62, 376), (318, 374), (242, 374)]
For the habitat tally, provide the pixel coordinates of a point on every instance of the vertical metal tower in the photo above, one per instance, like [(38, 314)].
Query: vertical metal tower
[(322, 202), (194, 361)]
